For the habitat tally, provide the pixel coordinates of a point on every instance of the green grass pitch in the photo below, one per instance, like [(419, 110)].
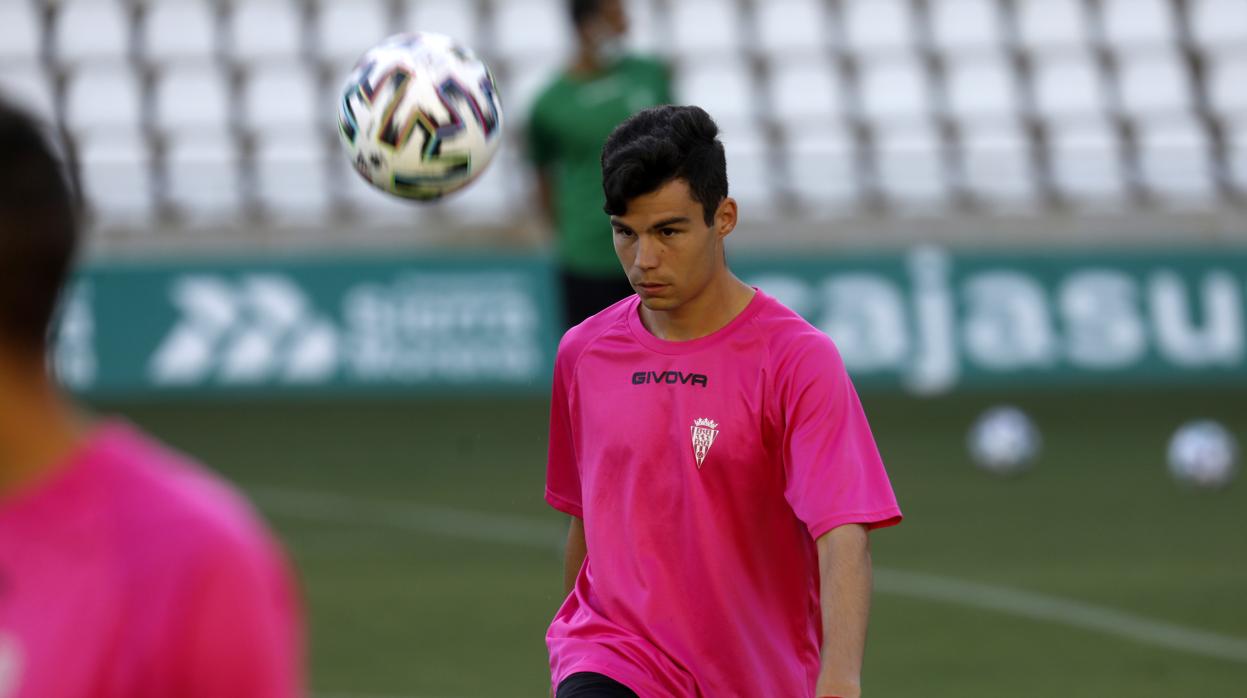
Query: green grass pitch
[(430, 564)]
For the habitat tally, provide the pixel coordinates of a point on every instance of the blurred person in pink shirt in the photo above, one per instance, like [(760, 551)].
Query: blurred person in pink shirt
[(126, 571), (713, 455)]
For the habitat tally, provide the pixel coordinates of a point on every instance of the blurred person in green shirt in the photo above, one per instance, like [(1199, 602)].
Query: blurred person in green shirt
[(569, 122)]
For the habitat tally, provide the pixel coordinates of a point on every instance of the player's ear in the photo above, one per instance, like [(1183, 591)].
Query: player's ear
[(725, 217)]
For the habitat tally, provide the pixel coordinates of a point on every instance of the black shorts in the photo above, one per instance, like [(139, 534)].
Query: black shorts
[(589, 685), (586, 295)]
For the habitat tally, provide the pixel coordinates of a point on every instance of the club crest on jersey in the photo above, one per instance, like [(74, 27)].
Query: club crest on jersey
[(704, 433)]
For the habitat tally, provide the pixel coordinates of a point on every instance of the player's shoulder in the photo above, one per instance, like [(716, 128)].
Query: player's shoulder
[(644, 62), (579, 338), (791, 339), (153, 488), (551, 95)]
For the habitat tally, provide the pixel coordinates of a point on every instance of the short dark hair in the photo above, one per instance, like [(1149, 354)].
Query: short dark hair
[(39, 212), (582, 10), (659, 145)]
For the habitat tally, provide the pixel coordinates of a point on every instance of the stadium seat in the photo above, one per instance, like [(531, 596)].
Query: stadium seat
[(878, 26), (203, 179), (175, 30), (895, 90), (1154, 84), (19, 32), (1226, 83), (91, 30), (345, 29), (996, 165), (750, 179), (292, 176), (1068, 86), (1237, 155), (704, 28), (791, 26), (191, 98), (804, 90), (1139, 23), (643, 26), (1052, 24), (29, 85), (1219, 23), (281, 97), (265, 29), (1086, 162), (103, 98), (911, 168), (528, 28), (724, 88), (981, 88), (116, 178), (454, 18), (1174, 161), (820, 170), (960, 26), (522, 83)]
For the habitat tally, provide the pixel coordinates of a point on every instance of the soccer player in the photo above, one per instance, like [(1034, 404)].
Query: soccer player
[(569, 121), (126, 571), (713, 455)]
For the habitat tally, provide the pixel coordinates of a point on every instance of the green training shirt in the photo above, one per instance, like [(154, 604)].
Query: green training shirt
[(568, 125)]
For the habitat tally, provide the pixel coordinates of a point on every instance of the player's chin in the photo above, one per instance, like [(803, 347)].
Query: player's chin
[(659, 302)]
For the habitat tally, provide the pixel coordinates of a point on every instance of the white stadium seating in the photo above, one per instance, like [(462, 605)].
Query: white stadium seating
[(192, 98), (911, 168), (531, 28), (1139, 23), (878, 26), (1219, 23), (1069, 86), (265, 29), (1052, 25), (1154, 84), (345, 29), (821, 169), (116, 172), (292, 176), (981, 88), (19, 31), (895, 90), (996, 166), (103, 98), (1174, 161), (787, 27), (803, 91), (203, 179), (91, 30), (723, 88), (1086, 163), (28, 84), (277, 97), (705, 29), (176, 30), (967, 26), (450, 17), (1226, 83)]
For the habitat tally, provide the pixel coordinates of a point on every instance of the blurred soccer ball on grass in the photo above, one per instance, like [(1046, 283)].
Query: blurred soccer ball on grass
[(420, 116), (1004, 441), (1203, 454)]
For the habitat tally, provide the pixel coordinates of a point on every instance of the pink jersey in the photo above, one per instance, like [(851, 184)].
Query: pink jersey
[(704, 471), (131, 573)]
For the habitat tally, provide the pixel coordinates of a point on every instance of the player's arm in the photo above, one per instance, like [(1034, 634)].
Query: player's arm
[(575, 555), (845, 573)]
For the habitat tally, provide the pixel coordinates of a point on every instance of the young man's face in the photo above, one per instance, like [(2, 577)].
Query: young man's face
[(665, 246), (609, 23)]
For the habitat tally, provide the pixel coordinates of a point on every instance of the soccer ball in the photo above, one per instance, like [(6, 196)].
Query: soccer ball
[(1004, 441), (1203, 454), (420, 116)]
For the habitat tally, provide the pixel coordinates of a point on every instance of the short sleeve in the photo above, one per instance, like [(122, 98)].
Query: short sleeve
[(834, 474), (240, 627), (562, 469)]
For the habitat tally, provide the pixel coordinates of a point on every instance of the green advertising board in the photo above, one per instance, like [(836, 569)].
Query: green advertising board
[(925, 320)]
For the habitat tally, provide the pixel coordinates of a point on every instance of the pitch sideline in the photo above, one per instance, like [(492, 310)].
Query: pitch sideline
[(515, 530)]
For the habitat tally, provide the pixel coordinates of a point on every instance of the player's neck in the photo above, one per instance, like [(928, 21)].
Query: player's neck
[(38, 427), (717, 305)]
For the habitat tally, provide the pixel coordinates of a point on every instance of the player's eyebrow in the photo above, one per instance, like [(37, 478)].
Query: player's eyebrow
[(616, 223), (678, 220)]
